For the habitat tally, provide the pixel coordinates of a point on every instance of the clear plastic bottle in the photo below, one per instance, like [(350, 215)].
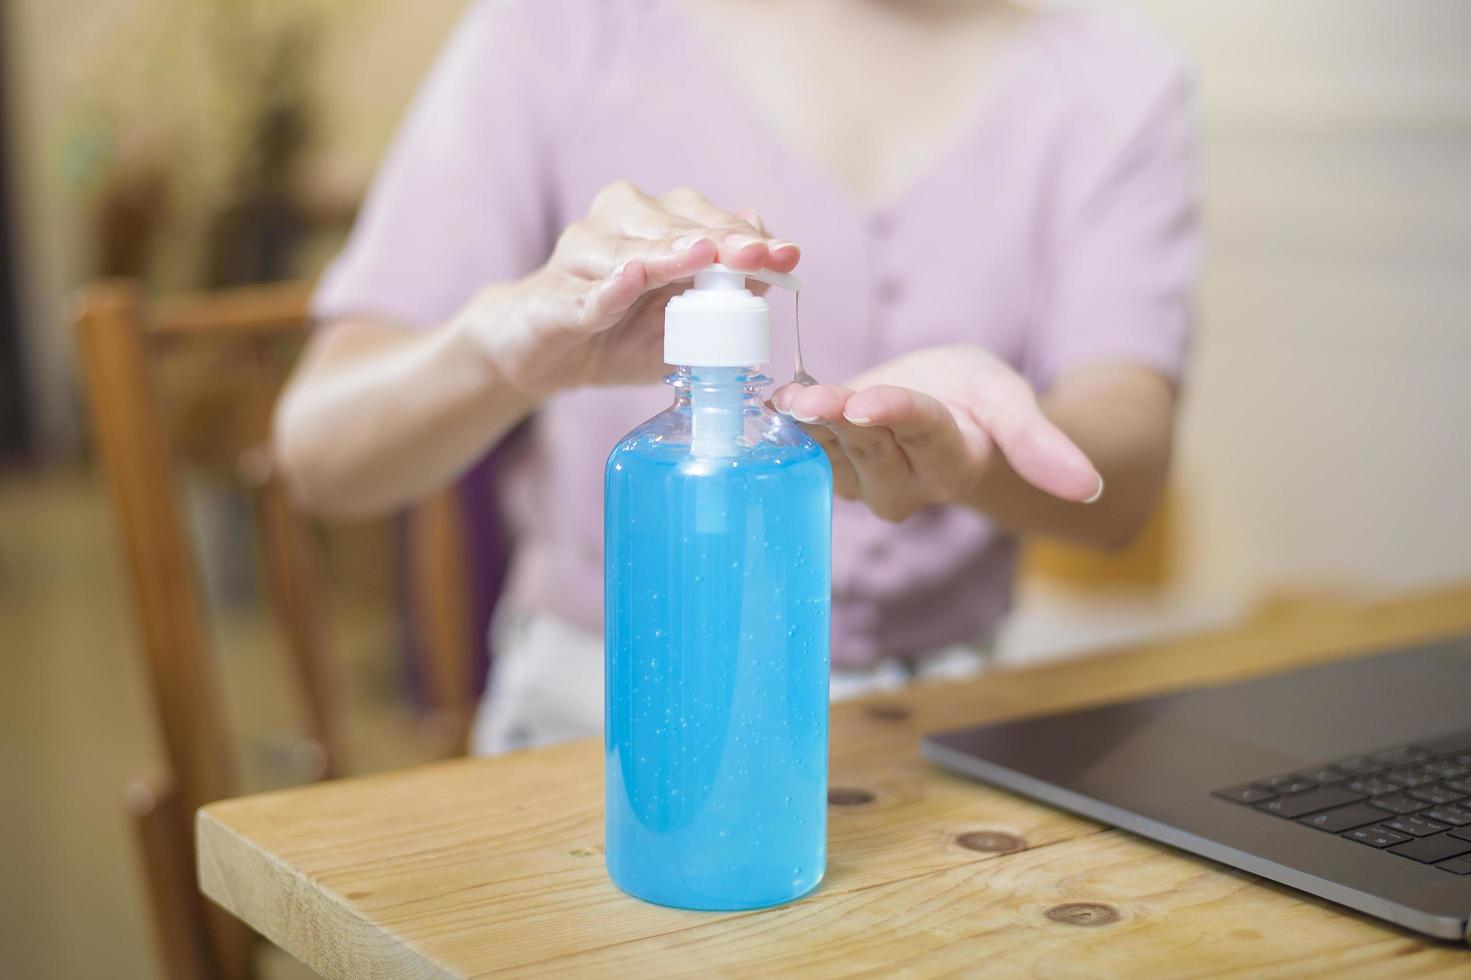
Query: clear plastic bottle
[(718, 517)]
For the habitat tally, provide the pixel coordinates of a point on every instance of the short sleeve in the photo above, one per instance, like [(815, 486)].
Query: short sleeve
[(464, 196), (1124, 256)]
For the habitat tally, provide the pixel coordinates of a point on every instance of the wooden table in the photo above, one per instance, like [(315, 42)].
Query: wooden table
[(483, 866)]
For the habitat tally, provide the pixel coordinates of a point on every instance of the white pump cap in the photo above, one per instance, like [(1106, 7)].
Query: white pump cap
[(717, 322)]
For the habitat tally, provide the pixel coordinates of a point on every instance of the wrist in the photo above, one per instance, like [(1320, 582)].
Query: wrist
[(476, 337), (521, 348)]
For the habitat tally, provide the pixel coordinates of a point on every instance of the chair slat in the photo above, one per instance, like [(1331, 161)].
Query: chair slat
[(116, 337), (240, 313), (290, 565), (130, 436)]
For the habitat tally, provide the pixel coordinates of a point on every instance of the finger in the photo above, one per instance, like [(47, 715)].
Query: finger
[(781, 398), (613, 297), (885, 480), (944, 456), (1041, 453), (620, 209), (594, 254), (633, 268), (750, 217), (693, 206), (743, 236), (622, 212), (782, 255), (845, 480), (815, 403), (742, 244)]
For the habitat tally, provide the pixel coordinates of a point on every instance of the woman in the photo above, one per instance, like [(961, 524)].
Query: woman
[(993, 208)]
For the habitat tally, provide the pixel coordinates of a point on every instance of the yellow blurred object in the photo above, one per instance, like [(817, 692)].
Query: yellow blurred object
[(1149, 563)]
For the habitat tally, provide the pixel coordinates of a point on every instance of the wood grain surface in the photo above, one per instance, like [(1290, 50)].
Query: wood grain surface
[(494, 866)]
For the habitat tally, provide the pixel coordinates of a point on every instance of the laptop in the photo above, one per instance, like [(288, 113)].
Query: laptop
[(1350, 781)]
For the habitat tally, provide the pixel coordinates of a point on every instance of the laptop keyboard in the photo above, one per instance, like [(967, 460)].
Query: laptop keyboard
[(1413, 801)]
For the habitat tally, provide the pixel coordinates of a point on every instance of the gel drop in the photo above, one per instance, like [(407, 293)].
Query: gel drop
[(718, 520)]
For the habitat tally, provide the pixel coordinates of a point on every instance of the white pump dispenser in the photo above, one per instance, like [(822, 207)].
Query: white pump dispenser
[(718, 322), (716, 328)]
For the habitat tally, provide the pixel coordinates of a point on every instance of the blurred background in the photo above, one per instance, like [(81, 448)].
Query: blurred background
[(200, 144)]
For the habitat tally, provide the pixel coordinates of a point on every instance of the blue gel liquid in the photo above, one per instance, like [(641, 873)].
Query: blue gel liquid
[(717, 605)]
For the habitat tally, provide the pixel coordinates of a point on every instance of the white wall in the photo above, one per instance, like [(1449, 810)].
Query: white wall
[(1326, 437)]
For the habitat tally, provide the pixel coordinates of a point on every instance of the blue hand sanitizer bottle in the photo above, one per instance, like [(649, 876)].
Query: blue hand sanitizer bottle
[(718, 525)]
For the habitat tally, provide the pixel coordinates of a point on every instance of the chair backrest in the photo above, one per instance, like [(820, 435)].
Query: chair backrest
[(119, 338)]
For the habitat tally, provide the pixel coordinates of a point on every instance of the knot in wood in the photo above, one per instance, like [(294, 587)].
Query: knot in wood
[(991, 842), (848, 796), (1084, 914), (887, 711)]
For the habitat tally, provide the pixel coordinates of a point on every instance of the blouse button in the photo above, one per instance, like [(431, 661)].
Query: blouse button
[(888, 290)]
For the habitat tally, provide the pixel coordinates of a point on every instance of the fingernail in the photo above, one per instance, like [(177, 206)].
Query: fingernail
[(804, 418), (780, 244), (687, 242), (741, 241), (1096, 493), (859, 419), (622, 268)]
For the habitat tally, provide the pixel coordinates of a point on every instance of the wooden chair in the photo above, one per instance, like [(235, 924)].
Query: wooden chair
[(119, 339)]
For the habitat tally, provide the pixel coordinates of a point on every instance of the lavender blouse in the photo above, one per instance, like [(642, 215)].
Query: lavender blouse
[(1058, 230)]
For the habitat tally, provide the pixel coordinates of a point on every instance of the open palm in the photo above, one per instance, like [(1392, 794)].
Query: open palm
[(926, 428)]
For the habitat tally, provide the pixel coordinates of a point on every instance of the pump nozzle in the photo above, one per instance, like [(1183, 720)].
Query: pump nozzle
[(721, 277), (717, 322)]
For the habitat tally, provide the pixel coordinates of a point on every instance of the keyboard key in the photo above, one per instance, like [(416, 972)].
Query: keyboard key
[(1401, 756), (1456, 866), (1376, 837), (1446, 769), (1460, 785), (1436, 794), (1373, 786), (1343, 818), (1429, 850), (1453, 744), (1324, 774), (1464, 833), (1453, 815), (1410, 776), (1399, 803), (1414, 826), (1301, 804), (1360, 765), (1245, 793), (1289, 782)]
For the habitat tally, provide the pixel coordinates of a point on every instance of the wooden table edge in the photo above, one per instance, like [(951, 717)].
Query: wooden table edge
[(360, 945), (365, 947)]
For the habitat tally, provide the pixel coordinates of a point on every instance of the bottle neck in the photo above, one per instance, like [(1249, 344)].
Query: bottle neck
[(718, 399), (690, 383)]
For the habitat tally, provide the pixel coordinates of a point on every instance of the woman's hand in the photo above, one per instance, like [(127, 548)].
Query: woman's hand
[(931, 426), (594, 313), (376, 416)]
